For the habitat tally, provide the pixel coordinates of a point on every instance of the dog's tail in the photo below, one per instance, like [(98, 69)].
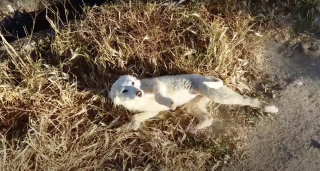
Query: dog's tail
[(225, 95)]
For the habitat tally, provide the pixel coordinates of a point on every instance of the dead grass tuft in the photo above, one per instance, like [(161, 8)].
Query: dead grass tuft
[(52, 98)]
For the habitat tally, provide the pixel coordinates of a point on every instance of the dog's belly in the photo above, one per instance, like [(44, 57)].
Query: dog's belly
[(148, 103), (182, 97)]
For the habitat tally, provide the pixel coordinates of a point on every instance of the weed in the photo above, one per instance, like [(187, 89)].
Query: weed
[(59, 87)]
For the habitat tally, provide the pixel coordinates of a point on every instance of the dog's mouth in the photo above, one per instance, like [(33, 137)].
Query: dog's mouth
[(139, 93)]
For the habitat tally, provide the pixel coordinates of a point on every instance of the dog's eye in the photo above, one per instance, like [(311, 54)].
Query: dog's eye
[(124, 91), (132, 83)]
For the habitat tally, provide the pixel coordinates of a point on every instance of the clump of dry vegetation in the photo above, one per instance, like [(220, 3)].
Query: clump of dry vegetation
[(53, 100)]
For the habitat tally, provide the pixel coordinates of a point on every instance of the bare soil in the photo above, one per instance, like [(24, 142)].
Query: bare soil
[(290, 141), (7, 7)]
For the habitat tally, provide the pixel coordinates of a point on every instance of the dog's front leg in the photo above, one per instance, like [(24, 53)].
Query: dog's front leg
[(160, 92), (166, 101), (137, 119)]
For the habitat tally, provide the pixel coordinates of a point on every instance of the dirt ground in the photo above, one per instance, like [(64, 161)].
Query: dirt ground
[(291, 140), (7, 7)]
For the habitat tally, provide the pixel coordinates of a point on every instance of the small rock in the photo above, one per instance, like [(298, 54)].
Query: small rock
[(226, 157), (298, 82)]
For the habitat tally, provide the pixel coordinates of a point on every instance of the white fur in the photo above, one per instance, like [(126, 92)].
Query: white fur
[(167, 92), (214, 85)]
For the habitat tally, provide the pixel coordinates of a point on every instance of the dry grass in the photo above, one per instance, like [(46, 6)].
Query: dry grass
[(52, 99)]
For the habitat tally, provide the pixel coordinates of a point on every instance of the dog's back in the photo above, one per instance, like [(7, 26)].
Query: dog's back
[(182, 82)]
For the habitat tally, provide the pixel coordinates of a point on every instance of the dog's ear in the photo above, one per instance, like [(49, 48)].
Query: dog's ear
[(111, 94), (137, 83), (115, 99)]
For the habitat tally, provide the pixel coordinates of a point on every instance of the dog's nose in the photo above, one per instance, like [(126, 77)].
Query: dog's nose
[(139, 93)]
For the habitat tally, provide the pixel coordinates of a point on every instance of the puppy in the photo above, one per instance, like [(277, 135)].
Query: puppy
[(149, 96)]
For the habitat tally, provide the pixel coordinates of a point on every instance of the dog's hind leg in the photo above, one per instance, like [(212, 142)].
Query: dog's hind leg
[(197, 107), (225, 95), (204, 117)]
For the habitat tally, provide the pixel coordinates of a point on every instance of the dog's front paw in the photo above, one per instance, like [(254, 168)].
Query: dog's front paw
[(133, 125), (130, 126)]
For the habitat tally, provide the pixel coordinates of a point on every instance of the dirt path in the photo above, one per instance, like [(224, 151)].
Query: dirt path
[(291, 141)]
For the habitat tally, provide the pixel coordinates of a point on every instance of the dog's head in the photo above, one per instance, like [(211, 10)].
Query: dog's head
[(126, 88)]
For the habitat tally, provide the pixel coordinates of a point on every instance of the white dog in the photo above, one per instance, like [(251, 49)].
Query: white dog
[(150, 96)]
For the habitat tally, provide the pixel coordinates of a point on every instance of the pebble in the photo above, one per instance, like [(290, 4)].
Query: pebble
[(298, 82)]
